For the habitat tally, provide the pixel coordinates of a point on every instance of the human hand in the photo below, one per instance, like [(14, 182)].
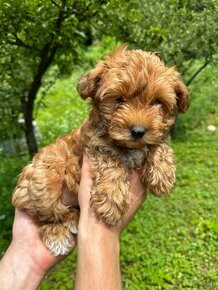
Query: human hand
[(98, 244), (87, 215), (26, 238), (27, 259)]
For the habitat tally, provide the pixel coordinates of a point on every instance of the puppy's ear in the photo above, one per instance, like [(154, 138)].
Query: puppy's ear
[(88, 84), (182, 96), (181, 91)]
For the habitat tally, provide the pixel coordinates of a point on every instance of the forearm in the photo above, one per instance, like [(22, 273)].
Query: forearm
[(98, 261), (98, 244), (18, 271)]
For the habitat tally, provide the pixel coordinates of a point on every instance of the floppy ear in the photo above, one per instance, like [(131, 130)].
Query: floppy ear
[(182, 98), (181, 91), (88, 84)]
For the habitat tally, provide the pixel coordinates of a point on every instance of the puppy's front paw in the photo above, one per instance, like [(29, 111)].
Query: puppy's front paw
[(108, 208), (159, 171), (161, 184)]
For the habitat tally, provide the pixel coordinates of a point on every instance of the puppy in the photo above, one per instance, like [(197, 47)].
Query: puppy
[(134, 100)]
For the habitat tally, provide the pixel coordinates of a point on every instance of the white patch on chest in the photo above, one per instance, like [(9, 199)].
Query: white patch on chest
[(134, 158)]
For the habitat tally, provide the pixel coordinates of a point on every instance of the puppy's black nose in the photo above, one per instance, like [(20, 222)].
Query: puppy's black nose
[(137, 132)]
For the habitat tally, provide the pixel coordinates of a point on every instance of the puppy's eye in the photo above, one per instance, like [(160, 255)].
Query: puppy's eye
[(120, 100), (156, 102)]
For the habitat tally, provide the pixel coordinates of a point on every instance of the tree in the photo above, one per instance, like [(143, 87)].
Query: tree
[(33, 35), (36, 35), (184, 33)]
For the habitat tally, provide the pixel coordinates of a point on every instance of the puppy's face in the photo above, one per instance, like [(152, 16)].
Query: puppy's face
[(136, 96)]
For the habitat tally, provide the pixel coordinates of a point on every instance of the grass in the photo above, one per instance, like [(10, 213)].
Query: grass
[(172, 241)]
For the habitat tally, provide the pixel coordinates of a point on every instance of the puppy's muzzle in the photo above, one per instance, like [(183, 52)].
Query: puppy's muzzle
[(137, 132)]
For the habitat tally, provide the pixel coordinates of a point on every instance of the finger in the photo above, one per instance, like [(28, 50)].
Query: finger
[(85, 165), (138, 196), (68, 198), (137, 188), (86, 172), (128, 216), (85, 183)]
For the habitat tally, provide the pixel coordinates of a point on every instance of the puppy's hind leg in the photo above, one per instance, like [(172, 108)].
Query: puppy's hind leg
[(58, 236)]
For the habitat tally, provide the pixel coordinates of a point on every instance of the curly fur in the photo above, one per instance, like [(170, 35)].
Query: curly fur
[(128, 89)]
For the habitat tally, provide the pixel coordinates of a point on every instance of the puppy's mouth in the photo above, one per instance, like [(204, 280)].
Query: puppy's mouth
[(130, 144), (135, 137)]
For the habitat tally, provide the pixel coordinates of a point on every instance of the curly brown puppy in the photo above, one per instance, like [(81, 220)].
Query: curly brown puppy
[(134, 99)]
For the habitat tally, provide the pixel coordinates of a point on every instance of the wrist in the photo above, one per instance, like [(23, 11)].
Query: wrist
[(98, 256), (19, 271), (97, 242), (24, 257), (94, 229), (98, 237)]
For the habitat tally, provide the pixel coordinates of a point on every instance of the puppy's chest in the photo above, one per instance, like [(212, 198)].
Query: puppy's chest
[(134, 158), (131, 158)]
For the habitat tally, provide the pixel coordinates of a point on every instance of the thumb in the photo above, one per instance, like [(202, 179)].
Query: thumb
[(85, 183), (68, 198)]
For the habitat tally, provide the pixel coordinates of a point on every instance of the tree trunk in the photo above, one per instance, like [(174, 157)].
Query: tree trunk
[(47, 57), (197, 72), (30, 137), (29, 129)]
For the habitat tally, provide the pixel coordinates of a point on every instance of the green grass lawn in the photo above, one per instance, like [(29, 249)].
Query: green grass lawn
[(172, 243)]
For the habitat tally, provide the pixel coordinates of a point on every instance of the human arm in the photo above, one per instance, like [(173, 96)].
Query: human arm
[(98, 244), (27, 260)]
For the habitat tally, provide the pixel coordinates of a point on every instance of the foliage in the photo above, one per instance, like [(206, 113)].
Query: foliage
[(9, 169), (35, 35), (172, 242), (63, 98), (182, 32)]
